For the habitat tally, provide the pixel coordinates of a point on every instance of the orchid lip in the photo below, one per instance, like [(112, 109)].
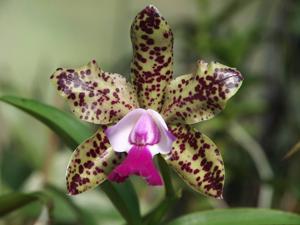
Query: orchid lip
[(147, 135), (141, 127), (138, 162)]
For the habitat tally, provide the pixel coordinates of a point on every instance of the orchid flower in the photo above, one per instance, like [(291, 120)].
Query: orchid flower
[(150, 116)]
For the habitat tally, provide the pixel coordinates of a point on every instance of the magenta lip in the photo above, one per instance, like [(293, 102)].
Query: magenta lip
[(138, 162)]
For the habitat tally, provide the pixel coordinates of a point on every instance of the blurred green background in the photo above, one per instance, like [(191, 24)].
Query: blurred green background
[(259, 126)]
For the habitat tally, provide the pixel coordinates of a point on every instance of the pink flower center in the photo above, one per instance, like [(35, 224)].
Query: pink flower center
[(145, 132), (142, 134)]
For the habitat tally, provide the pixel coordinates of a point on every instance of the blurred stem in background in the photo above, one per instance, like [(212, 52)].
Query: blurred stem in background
[(257, 153)]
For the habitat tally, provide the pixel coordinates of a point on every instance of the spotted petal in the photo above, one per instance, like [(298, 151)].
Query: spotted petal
[(197, 160), (200, 96), (94, 95), (151, 66), (90, 163)]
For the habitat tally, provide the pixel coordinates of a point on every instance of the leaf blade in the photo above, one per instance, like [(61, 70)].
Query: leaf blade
[(84, 217), (247, 216), (73, 133), (68, 128), (15, 200)]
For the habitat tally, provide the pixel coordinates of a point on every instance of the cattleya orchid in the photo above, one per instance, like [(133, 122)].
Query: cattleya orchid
[(150, 116)]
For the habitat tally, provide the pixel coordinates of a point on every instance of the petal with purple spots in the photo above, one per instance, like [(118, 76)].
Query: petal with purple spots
[(152, 62), (94, 95), (200, 96), (197, 160), (90, 163)]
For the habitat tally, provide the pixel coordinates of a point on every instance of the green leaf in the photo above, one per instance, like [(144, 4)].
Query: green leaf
[(13, 201), (73, 133), (83, 216), (129, 198), (241, 216), (67, 127), (157, 214)]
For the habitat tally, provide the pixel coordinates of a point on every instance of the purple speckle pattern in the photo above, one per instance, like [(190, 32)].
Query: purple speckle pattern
[(90, 163), (94, 95), (152, 62), (200, 96), (197, 160)]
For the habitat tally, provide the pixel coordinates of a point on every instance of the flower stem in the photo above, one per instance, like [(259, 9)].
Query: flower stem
[(166, 173), (171, 196), (155, 216), (124, 198), (260, 160)]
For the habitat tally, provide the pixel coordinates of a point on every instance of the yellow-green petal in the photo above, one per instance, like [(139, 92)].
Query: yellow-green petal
[(90, 163), (94, 95), (197, 160), (200, 96), (152, 62)]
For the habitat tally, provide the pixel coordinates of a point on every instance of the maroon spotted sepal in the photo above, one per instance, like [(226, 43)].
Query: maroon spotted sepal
[(197, 160), (91, 163), (94, 95), (200, 96), (152, 62)]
